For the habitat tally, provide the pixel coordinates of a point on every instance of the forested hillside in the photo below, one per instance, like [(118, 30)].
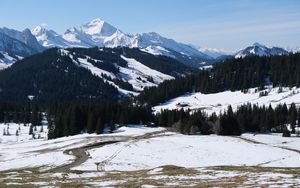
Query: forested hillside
[(76, 101), (231, 74), (86, 74), (50, 77)]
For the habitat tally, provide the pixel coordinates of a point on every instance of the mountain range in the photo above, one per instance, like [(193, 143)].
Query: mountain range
[(102, 34), (18, 44)]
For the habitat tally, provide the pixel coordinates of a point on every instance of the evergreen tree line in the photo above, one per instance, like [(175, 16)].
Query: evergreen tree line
[(16, 113), (66, 119), (231, 74), (247, 118), (75, 118)]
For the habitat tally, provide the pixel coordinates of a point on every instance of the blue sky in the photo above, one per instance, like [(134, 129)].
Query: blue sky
[(225, 24)]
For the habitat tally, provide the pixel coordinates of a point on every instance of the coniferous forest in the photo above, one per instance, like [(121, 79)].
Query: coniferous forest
[(88, 115), (231, 74), (66, 119)]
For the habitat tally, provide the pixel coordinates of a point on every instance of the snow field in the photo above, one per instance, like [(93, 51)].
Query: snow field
[(190, 152), (219, 102), (162, 148)]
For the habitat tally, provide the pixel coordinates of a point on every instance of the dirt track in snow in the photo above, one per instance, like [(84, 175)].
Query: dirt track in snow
[(81, 154)]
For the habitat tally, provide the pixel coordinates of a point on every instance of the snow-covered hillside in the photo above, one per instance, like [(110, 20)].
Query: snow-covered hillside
[(6, 60), (23, 151), (145, 152), (219, 102), (135, 73), (260, 50), (141, 76), (191, 152), (149, 154), (48, 38)]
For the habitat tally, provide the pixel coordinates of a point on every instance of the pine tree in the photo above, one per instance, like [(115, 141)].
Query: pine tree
[(51, 128), (270, 118), (292, 116), (65, 125), (34, 117), (99, 126), (91, 123), (76, 120), (15, 117), (206, 129), (194, 129), (6, 118), (112, 127)]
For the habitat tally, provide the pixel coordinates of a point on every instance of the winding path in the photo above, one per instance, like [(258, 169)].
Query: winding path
[(81, 154)]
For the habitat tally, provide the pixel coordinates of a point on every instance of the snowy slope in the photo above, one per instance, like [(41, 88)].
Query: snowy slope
[(120, 39), (154, 39), (98, 27), (138, 75), (77, 38), (100, 73), (135, 73), (48, 38), (6, 60), (219, 102), (189, 151), (157, 50), (162, 148), (25, 152), (260, 50), (98, 30)]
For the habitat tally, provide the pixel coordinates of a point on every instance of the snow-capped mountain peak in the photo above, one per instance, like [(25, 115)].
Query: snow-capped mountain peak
[(98, 27), (77, 38), (119, 39), (260, 50), (71, 30), (256, 44), (48, 38), (38, 30)]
